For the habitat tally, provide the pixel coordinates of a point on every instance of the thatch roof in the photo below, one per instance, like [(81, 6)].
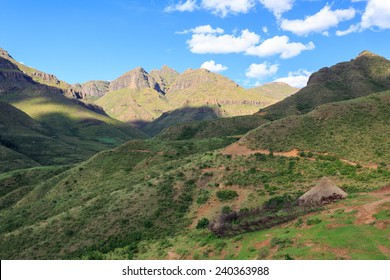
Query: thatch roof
[(324, 192)]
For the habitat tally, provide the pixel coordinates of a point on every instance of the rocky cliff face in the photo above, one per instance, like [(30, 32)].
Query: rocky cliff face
[(11, 78), (165, 77), (94, 89), (135, 79), (192, 78)]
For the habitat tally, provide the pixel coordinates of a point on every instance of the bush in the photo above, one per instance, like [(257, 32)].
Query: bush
[(281, 242), (225, 195), (226, 210), (313, 221), (203, 223)]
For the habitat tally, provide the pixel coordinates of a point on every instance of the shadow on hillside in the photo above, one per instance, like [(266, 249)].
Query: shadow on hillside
[(178, 116)]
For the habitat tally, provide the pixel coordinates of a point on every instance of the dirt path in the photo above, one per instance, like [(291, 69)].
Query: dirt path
[(236, 149), (366, 211)]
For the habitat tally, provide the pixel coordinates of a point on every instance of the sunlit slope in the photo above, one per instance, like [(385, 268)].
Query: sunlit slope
[(366, 74), (356, 130)]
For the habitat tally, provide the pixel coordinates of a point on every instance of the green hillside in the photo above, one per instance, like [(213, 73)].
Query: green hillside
[(137, 106), (97, 209), (366, 74), (66, 129), (222, 127), (357, 130)]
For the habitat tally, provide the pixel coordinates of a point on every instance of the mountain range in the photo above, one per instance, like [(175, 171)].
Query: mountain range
[(76, 180)]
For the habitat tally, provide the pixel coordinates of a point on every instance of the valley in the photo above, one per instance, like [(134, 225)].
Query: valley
[(146, 166)]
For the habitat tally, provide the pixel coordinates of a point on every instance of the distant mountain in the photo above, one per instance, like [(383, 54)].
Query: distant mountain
[(84, 128), (140, 98), (366, 74), (93, 89), (42, 77), (165, 77)]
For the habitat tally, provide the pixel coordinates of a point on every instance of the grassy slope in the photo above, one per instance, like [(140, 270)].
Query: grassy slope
[(200, 87), (97, 209), (101, 203), (132, 105), (356, 130), (233, 126), (366, 74)]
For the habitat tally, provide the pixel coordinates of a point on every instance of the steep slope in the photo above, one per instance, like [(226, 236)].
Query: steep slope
[(200, 87), (366, 74), (355, 130), (31, 144), (84, 128), (274, 92), (165, 77), (179, 116), (135, 98), (42, 77), (223, 127), (93, 89)]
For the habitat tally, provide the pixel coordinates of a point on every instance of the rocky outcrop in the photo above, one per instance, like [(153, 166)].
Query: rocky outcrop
[(165, 77), (93, 88), (135, 79)]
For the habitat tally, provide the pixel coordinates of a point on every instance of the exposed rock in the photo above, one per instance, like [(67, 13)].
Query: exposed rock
[(165, 77), (135, 79), (93, 88)]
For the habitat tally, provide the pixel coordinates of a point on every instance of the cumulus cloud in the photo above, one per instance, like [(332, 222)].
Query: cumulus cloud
[(225, 7), (279, 45), (213, 67), (187, 6), (202, 29), (319, 22), (217, 7), (278, 7), (376, 14), (296, 79), (202, 43), (351, 29), (260, 71)]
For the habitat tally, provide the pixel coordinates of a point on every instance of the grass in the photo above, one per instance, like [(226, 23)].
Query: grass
[(329, 129)]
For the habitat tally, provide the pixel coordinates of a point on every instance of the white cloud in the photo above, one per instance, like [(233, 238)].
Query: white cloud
[(187, 6), (279, 45), (351, 29), (260, 71), (202, 43), (217, 7), (225, 7), (265, 29), (202, 29), (213, 67), (377, 14), (278, 7), (319, 22), (296, 79)]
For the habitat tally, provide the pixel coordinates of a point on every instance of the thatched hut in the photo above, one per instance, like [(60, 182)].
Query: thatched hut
[(324, 192)]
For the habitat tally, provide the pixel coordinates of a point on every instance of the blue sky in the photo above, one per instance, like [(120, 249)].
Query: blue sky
[(250, 41)]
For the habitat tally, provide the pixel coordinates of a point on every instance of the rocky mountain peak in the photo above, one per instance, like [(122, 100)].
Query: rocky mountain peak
[(165, 77), (5, 54), (137, 78)]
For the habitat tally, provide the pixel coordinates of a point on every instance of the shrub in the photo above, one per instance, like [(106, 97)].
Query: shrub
[(203, 223), (281, 242), (226, 210), (225, 195), (313, 221)]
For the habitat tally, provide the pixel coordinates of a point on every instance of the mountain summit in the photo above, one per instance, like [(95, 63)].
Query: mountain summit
[(366, 74)]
